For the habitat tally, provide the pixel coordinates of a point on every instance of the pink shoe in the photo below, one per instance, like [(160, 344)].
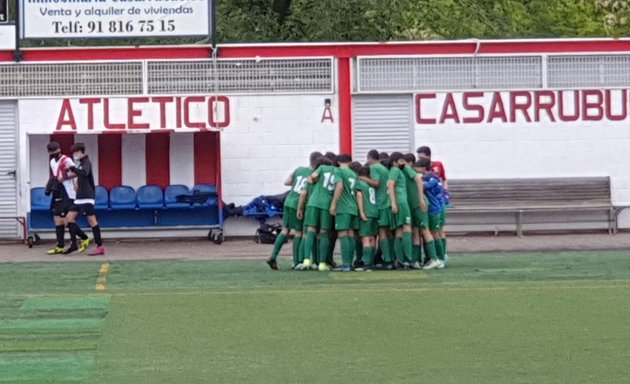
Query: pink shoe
[(98, 251)]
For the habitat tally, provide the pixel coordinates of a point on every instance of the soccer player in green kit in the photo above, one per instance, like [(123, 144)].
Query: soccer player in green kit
[(368, 219), (400, 221), (344, 208), (419, 206), (317, 215), (290, 221), (379, 175)]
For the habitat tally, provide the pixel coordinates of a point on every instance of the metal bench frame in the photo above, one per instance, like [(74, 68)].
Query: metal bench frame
[(522, 196)]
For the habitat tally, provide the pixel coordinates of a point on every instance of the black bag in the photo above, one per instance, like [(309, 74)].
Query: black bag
[(267, 234)]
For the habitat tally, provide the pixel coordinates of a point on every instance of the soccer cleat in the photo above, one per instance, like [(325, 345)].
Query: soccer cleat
[(272, 264), (432, 264), (98, 251), (365, 268), (442, 264), (323, 267), (389, 267), (445, 260), (415, 265), (306, 264), (314, 267), (84, 245), (55, 251), (298, 267), (73, 247)]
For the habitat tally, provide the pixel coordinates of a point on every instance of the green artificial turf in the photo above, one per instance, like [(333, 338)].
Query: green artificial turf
[(502, 318)]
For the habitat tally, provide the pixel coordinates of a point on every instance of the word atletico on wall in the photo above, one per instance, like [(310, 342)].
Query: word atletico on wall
[(143, 113), (548, 106)]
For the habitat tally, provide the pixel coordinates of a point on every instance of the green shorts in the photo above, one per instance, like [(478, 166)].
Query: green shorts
[(435, 223), (384, 217), (345, 222), (443, 216), (368, 228), (419, 219), (290, 220), (403, 217), (319, 218)]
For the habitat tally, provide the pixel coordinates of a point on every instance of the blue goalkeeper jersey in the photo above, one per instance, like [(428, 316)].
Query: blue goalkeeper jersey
[(434, 191)]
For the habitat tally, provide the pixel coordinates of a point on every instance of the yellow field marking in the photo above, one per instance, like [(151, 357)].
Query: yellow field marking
[(101, 282)]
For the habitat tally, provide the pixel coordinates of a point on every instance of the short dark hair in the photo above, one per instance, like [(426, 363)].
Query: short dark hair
[(53, 146), (323, 161), (314, 157), (383, 156), (344, 158), (394, 157), (424, 150), (423, 163), (373, 155), (355, 166), (410, 158), (330, 155), (78, 147), (363, 171)]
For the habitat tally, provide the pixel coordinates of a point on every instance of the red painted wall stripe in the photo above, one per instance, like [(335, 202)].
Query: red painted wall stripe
[(110, 160), (158, 159), (207, 154), (345, 107), (65, 140), (335, 50)]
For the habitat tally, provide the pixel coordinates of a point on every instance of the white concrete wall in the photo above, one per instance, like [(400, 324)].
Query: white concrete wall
[(531, 149)]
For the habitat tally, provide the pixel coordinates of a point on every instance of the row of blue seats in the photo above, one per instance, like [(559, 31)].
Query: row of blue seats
[(146, 197)]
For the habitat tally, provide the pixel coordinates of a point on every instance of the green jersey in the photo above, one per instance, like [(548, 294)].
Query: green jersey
[(379, 172), (322, 191), (412, 188), (397, 175), (369, 199), (299, 177), (347, 202)]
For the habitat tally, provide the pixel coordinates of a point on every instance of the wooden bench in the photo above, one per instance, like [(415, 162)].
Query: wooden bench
[(543, 203)]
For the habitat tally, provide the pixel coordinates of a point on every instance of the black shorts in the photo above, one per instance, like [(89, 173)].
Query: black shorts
[(83, 209), (61, 206)]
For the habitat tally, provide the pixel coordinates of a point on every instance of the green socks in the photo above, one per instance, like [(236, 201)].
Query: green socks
[(309, 243), (438, 249), (399, 249), (347, 250), (408, 246), (358, 248), (444, 245), (324, 247), (430, 250), (386, 250), (368, 255), (417, 252), (277, 245), (297, 248)]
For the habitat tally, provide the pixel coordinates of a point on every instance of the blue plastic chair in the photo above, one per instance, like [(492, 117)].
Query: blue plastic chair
[(208, 188), (150, 197), (102, 198), (122, 197), (170, 196), (39, 200)]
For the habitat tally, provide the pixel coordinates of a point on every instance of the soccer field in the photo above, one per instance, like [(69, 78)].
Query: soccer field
[(504, 318)]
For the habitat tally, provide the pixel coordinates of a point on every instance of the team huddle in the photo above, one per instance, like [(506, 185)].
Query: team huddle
[(384, 214)]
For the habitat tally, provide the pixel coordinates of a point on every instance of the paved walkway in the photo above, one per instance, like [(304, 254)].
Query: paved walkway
[(247, 249)]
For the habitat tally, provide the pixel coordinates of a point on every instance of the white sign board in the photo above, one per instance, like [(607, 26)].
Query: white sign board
[(125, 115), (65, 19), (7, 37)]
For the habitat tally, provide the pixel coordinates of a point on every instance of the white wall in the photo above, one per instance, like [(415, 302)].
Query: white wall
[(536, 149), (268, 138)]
